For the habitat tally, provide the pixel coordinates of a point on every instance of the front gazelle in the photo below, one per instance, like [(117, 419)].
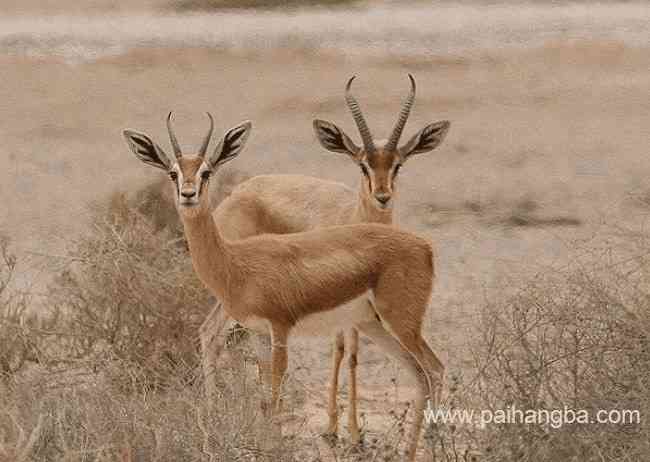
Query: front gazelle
[(329, 278)]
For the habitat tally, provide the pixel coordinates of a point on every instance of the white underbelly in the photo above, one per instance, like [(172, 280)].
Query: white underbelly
[(327, 323), (324, 323)]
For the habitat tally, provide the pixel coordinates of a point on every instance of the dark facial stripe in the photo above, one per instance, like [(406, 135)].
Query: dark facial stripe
[(176, 184), (366, 173), (395, 172), (203, 180)]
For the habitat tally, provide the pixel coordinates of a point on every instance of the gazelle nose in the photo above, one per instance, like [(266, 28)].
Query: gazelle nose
[(382, 198), (188, 193)]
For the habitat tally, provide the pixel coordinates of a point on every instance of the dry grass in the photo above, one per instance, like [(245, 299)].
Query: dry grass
[(575, 338), (111, 373), (15, 344), (79, 415), (117, 375), (131, 293)]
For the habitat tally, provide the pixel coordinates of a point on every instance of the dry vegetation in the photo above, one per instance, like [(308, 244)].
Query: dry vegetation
[(111, 372), (108, 371), (574, 338)]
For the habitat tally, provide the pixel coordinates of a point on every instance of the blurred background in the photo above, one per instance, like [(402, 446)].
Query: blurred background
[(546, 156), (548, 104)]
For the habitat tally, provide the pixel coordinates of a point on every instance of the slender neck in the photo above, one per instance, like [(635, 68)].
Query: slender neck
[(366, 211), (209, 251)]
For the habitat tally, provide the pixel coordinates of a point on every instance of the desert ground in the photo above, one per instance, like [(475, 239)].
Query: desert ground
[(549, 138)]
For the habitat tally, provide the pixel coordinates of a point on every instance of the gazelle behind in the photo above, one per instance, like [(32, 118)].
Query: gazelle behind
[(278, 284), (281, 204)]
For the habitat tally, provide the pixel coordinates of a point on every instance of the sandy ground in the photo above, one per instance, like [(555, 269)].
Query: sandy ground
[(547, 143)]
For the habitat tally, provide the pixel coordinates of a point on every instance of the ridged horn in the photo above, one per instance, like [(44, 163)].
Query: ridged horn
[(206, 140), (403, 117), (172, 137), (352, 103)]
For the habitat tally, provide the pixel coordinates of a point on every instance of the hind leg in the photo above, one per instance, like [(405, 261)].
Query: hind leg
[(392, 345), (435, 369)]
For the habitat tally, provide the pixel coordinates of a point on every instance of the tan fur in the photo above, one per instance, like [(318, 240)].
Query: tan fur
[(283, 279), (282, 282), (281, 204)]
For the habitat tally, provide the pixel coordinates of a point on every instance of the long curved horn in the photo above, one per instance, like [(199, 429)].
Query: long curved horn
[(206, 140), (172, 138), (403, 117), (352, 103)]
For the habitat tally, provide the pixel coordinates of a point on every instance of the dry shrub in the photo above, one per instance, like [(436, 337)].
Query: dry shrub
[(118, 378), (18, 346), (131, 293), (91, 419), (578, 338)]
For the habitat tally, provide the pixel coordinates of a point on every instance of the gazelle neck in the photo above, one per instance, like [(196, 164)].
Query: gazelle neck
[(367, 211), (209, 251)]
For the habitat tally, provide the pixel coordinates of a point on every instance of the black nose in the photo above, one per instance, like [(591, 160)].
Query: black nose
[(383, 199), (188, 194)]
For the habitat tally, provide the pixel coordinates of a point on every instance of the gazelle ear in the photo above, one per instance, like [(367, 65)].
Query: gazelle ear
[(231, 144), (146, 150), (426, 139), (334, 139)]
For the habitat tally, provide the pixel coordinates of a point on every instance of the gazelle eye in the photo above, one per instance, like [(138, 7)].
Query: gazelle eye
[(396, 171), (206, 174), (173, 176), (364, 169)]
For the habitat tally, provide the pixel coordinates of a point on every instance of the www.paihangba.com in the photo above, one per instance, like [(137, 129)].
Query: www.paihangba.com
[(554, 418)]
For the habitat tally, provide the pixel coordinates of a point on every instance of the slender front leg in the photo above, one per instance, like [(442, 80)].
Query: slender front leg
[(352, 340), (332, 409), (279, 360), (211, 345)]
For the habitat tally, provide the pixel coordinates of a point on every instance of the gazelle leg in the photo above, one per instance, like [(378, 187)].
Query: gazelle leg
[(332, 409), (352, 339), (435, 368), (399, 346), (279, 360), (212, 343)]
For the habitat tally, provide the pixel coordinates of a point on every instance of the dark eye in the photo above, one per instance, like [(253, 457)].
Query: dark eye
[(396, 171), (173, 176), (205, 174), (364, 169)]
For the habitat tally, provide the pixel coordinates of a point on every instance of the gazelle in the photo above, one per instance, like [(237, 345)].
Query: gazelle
[(371, 276), (281, 204)]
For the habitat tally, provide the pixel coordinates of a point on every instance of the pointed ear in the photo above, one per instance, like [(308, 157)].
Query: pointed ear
[(426, 139), (146, 150), (334, 139), (231, 144)]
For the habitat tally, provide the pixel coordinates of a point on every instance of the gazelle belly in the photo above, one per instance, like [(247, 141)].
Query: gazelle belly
[(327, 323)]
